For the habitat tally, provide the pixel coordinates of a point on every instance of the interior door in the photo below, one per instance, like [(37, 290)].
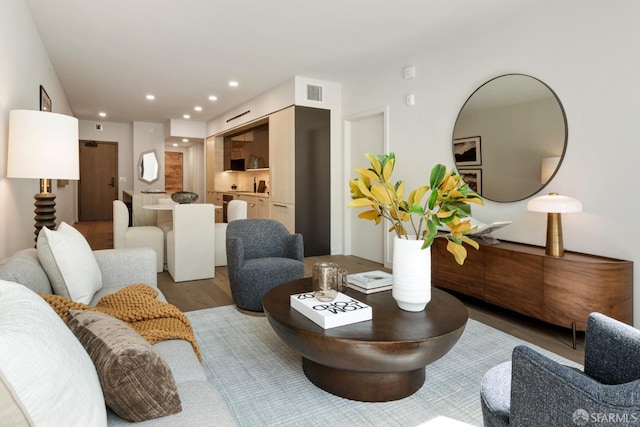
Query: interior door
[(98, 185), (366, 134)]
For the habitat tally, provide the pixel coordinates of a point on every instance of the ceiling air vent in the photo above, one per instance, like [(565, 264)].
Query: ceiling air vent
[(314, 93)]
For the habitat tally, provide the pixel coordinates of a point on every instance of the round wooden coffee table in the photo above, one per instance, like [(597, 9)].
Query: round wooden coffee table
[(375, 361)]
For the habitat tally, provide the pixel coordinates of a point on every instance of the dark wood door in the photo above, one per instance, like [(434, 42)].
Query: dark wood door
[(98, 185)]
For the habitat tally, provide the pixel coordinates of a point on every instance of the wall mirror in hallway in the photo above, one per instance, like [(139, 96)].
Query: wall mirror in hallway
[(148, 167)]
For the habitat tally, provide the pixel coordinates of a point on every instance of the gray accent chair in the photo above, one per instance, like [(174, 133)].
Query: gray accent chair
[(261, 254), (533, 390)]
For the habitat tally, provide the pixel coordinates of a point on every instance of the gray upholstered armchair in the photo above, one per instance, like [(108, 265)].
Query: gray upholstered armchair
[(533, 390), (261, 254)]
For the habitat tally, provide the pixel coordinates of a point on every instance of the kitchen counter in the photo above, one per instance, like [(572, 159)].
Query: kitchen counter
[(245, 193)]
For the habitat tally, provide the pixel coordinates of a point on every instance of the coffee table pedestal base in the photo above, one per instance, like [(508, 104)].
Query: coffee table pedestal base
[(364, 386)]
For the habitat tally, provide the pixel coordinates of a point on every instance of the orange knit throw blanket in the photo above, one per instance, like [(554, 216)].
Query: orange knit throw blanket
[(136, 305)]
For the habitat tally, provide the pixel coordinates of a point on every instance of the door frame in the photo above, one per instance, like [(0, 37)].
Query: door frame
[(347, 121)]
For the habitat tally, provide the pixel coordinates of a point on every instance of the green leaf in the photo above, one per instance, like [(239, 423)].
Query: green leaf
[(433, 199), (417, 209), (438, 173)]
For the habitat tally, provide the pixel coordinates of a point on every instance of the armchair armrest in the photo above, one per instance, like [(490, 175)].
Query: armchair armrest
[(235, 257), (611, 350), (121, 267), (294, 247), (545, 392)]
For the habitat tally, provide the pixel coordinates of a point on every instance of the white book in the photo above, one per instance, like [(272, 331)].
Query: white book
[(371, 279), (343, 310), (369, 291)]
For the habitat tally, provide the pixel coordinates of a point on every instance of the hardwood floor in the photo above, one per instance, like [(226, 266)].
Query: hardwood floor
[(199, 294)]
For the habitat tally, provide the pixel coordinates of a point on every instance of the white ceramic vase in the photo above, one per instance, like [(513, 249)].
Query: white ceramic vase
[(411, 274)]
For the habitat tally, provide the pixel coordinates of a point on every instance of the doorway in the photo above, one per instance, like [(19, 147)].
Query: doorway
[(98, 187), (365, 133)]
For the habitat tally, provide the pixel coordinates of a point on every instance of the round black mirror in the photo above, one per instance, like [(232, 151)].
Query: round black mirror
[(510, 137)]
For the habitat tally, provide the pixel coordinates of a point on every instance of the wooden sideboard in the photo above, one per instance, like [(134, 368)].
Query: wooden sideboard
[(559, 290)]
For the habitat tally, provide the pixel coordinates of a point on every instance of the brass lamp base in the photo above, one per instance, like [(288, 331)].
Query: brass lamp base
[(45, 208), (554, 235)]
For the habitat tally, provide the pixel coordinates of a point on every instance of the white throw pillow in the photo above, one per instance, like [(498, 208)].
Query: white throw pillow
[(46, 376), (67, 259)]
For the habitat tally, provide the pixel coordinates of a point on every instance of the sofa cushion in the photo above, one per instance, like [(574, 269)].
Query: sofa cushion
[(69, 262), (24, 268), (46, 376), (136, 382)]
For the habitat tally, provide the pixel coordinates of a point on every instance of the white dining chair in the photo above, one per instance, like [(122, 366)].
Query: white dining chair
[(136, 237)]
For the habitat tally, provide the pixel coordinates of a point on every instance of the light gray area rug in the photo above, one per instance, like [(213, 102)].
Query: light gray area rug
[(263, 382)]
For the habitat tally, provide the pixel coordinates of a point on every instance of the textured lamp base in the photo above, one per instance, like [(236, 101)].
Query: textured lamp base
[(45, 212)]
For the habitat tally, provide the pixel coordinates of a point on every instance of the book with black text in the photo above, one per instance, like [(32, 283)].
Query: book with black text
[(343, 310)]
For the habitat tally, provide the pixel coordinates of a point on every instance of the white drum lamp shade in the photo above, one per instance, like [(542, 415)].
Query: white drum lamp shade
[(554, 205), (43, 145)]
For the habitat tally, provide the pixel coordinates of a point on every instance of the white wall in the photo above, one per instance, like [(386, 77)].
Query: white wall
[(24, 66), (586, 52), (148, 136), (122, 133)]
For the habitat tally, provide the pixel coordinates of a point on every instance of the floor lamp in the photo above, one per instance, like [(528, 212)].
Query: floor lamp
[(43, 144)]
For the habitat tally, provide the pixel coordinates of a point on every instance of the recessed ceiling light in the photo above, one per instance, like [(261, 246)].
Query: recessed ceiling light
[(174, 144), (186, 116), (213, 98), (151, 97), (197, 108), (102, 114), (184, 140), (233, 83)]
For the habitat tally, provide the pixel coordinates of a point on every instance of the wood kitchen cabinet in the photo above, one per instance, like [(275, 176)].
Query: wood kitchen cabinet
[(559, 290), (216, 199), (263, 207), (284, 213), (282, 152), (252, 205)]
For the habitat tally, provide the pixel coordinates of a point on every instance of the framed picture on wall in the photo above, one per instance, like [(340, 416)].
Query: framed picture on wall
[(467, 151), (45, 101), (473, 177)]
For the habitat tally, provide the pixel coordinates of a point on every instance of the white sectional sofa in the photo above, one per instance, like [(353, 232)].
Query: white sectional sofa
[(33, 339)]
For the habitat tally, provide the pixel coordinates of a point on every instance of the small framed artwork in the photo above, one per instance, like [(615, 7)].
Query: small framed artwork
[(45, 101), (467, 151), (473, 177)]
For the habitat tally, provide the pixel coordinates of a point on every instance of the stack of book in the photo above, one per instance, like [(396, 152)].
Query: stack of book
[(343, 310), (370, 282)]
